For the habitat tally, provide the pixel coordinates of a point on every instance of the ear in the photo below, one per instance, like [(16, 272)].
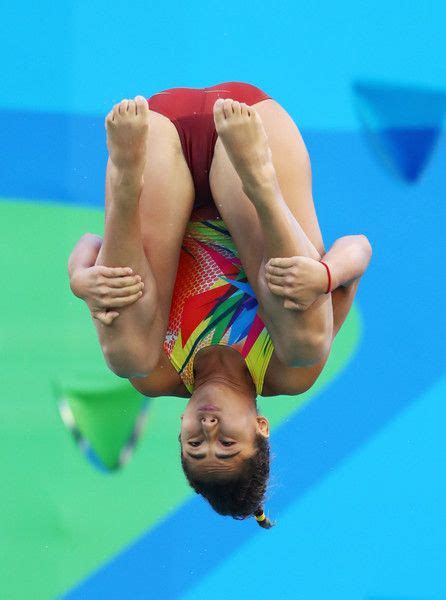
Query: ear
[(263, 426)]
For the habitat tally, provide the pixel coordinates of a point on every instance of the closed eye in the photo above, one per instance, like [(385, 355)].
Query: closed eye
[(221, 456), (197, 443)]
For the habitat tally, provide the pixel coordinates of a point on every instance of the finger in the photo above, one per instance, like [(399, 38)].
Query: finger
[(125, 291), (109, 317), (290, 304), (105, 317), (277, 271), (277, 280), (117, 302), (282, 262), (122, 282), (115, 271), (112, 315), (278, 290)]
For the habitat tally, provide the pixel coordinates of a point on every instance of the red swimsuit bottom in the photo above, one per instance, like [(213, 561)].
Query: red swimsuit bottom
[(191, 111)]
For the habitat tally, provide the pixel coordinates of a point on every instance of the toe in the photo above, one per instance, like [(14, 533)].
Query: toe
[(115, 112), (123, 106), (219, 116), (109, 119), (237, 109), (244, 108), (249, 110), (255, 114), (132, 108), (227, 107), (142, 105)]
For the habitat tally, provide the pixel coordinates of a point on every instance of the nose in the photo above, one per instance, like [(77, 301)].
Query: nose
[(209, 424)]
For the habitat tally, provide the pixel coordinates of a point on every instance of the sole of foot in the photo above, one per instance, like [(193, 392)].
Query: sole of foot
[(127, 126), (243, 135)]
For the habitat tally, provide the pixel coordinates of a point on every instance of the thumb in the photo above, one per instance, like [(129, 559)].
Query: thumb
[(110, 316), (290, 304), (105, 317)]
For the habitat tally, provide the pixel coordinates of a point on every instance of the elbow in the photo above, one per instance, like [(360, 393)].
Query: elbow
[(367, 245), (368, 252)]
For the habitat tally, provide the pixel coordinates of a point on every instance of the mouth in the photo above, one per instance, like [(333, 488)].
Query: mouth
[(208, 408)]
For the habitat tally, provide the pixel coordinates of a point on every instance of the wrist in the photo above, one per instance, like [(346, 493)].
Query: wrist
[(329, 284)]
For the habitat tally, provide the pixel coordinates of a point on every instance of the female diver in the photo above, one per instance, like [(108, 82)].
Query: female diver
[(212, 281)]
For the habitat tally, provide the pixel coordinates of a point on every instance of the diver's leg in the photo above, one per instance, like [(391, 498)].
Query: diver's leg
[(262, 186), (149, 196)]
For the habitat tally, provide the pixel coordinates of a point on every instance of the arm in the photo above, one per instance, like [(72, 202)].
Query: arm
[(300, 280), (348, 259), (104, 289), (83, 255)]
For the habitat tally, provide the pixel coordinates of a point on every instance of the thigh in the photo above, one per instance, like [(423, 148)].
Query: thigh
[(165, 205), (292, 164)]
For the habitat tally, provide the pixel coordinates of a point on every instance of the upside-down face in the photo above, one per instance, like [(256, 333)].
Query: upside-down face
[(218, 429)]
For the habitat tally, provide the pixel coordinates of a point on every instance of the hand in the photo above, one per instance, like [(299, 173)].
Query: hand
[(300, 280), (105, 289)]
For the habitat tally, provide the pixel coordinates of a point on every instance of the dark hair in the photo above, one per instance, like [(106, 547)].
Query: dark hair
[(243, 495)]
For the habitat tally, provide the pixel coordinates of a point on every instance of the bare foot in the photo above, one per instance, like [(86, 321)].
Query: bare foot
[(127, 127), (241, 131)]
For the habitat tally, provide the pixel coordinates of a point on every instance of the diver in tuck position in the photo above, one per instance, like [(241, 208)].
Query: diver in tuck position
[(212, 281)]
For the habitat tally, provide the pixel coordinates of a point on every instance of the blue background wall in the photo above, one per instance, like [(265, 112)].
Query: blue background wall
[(84, 56)]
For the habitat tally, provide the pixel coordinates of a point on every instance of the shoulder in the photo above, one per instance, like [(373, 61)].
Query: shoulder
[(283, 380), (162, 381)]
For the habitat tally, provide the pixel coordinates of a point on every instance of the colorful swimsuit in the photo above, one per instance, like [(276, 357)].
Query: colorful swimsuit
[(212, 302)]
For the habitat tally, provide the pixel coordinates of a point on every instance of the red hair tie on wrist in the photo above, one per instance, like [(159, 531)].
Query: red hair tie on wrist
[(329, 276)]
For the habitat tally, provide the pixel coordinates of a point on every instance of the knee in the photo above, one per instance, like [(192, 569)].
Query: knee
[(128, 363), (303, 350)]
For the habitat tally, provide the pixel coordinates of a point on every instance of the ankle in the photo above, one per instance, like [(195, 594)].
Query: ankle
[(263, 176), (130, 179), (263, 186)]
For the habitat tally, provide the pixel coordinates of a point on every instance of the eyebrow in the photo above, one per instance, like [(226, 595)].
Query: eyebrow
[(222, 456)]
